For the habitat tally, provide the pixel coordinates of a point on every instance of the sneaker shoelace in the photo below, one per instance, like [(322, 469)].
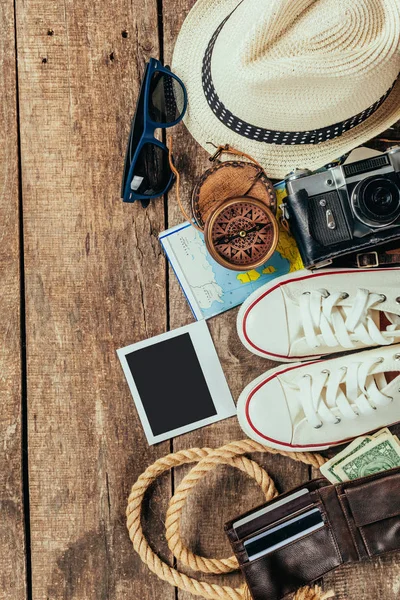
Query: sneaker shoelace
[(343, 393), (325, 321)]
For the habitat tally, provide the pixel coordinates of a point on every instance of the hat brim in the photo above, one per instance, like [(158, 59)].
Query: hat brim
[(277, 160)]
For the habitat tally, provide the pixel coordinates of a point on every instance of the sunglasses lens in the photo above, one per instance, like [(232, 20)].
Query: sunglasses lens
[(152, 172), (167, 99)]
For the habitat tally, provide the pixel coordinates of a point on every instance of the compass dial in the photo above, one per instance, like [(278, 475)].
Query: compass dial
[(241, 234)]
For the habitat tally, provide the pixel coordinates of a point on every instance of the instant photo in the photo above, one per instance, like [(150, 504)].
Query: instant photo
[(177, 382)]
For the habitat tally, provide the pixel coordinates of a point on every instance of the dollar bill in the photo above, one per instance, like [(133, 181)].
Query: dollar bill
[(381, 454), (333, 468), (329, 468), (384, 431)]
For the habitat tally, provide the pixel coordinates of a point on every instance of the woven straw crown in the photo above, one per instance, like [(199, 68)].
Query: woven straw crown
[(303, 64), (259, 72)]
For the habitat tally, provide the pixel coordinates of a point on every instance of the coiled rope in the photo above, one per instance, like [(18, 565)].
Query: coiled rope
[(207, 459)]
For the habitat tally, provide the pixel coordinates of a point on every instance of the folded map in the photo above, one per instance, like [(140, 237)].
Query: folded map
[(211, 289)]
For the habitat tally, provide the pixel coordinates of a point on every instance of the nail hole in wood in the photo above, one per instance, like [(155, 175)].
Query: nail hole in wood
[(112, 56), (50, 32), (44, 60), (124, 33)]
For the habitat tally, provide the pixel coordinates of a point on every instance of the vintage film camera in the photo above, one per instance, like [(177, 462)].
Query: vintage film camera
[(345, 209)]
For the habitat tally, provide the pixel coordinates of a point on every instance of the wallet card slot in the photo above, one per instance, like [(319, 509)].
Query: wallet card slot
[(272, 512), (280, 521), (291, 566), (284, 533)]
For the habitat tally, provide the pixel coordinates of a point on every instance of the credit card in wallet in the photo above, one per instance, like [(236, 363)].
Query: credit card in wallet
[(283, 534), (270, 507)]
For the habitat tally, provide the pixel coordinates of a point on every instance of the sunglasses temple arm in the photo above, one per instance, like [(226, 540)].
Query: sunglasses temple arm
[(177, 186)]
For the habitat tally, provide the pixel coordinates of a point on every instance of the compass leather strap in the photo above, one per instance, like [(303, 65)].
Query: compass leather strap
[(227, 149)]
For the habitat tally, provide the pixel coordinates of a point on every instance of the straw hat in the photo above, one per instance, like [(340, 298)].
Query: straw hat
[(294, 83)]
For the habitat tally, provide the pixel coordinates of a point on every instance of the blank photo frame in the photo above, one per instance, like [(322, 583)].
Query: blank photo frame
[(177, 382)]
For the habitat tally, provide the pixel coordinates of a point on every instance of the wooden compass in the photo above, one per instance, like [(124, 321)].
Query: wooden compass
[(241, 233)]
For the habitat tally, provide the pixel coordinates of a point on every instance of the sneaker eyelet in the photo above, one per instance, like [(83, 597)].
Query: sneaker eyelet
[(306, 376), (344, 295), (397, 356), (381, 360), (306, 293), (325, 293), (337, 421), (398, 299), (383, 298), (326, 372), (318, 426)]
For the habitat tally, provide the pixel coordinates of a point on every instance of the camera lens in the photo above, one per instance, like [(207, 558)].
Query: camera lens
[(376, 201)]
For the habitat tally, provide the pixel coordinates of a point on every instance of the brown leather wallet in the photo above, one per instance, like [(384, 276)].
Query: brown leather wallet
[(360, 519)]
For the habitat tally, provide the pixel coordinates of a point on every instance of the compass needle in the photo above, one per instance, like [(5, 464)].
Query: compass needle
[(241, 233)]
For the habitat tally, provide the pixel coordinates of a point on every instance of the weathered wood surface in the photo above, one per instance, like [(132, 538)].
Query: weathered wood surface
[(96, 280), (12, 543)]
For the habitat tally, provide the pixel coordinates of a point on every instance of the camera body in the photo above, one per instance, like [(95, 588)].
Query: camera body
[(345, 209)]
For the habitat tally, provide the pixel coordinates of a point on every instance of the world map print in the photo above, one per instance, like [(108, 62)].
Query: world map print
[(212, 289)]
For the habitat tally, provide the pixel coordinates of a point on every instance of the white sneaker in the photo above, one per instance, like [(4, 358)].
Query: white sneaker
[(307, 315), (312, 406)]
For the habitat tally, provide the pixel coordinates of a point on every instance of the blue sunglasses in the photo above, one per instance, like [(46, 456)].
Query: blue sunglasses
[(162, 103)]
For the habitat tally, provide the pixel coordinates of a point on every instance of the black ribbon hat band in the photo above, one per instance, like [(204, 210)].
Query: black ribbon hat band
[(271, 136)]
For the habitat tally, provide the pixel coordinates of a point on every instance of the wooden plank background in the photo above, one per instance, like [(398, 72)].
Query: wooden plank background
[(12, 542), (94, 279)]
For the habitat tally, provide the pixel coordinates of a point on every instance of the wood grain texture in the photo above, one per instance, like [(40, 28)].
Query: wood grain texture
[(95, 281), (226, 492), (12, 543)]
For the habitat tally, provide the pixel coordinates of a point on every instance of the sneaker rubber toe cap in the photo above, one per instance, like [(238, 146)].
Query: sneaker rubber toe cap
[(263, 326), (263, 413)]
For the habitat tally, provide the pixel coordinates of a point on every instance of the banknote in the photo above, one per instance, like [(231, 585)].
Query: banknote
[(333, 468), (329, 468), (384, 431), (382, 454)]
